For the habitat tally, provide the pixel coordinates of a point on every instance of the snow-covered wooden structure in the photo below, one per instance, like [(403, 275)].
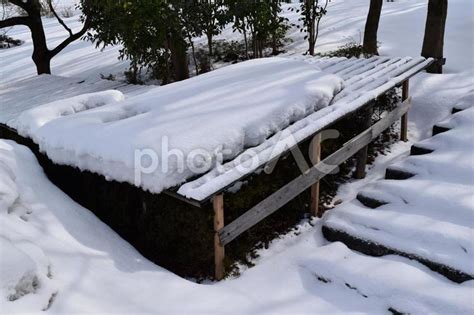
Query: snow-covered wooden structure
[(364, 81)]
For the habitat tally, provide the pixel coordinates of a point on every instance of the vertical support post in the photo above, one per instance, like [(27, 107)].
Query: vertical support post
[(364, 152), (315, 159), (219, 253), (404, 123)]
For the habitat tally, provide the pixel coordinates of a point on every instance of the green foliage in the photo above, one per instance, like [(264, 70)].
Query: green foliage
[(229, 51), (157, 35), (150, 32), (348, 50), (312, 11), (260, 19), (8, 42)]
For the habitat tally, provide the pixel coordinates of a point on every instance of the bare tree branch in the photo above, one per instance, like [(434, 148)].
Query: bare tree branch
[(22, 4), (70, 39), (51, 7), (16, 20)]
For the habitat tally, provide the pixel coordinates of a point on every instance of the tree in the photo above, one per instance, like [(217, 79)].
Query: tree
[(371, 27), (214, 17), (260, 19), (433, 42), (31, 18), (312, 12), (152, 34), (240, 11), (278, 26), (204, 17)]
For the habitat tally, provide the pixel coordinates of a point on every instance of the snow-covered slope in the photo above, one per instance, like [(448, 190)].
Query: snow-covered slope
[(400, 34)]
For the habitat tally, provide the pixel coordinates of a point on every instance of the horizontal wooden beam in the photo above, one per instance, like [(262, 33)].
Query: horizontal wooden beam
[(175, 195), (304, 181)]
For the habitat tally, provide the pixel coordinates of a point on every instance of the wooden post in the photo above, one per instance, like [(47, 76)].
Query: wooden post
[(219, 253), (315, 159), (364, 152), (404, 123)]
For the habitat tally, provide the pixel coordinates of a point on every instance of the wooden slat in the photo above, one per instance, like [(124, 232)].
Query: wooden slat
[(303, 182), (219, 253), (362, 63), (175, 195), (315, 159), (375, 80), (369, 69), (404, 122), (363, 154)]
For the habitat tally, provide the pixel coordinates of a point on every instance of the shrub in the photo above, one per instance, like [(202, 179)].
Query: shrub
[(229, 51), (67, 12), (8, 42), (348, 50)]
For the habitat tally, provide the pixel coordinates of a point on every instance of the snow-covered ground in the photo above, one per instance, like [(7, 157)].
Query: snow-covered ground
[(400, 34), (57, 256)]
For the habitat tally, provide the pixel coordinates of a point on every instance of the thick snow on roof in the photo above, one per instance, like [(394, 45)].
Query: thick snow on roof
[(215, 115), (364, 80), (18, 96)]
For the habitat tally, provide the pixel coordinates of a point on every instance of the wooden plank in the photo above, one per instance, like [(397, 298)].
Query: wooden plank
[(175, 195), (314, 174), (404, 122), (315, 159), (219, 252), (362, 155)]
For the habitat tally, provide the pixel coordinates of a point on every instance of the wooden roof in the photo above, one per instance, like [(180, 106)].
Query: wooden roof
[(365, 80)]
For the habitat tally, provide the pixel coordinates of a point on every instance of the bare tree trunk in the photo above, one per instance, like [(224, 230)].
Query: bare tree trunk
[(433, 42), (209, 43), (246, 41), (179, 59), (371, 27), (311, 27), (274, 45), (193, 52), (41, 54)]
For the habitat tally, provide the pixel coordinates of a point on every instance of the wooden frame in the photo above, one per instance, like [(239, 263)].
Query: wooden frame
[(219, 252), (315, 159), (362, 155), (404, 122), (226, 234)]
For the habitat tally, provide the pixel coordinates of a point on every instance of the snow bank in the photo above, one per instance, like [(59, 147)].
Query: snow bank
[(8, 191), (17, 272), (216, 115), (24, 269)]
